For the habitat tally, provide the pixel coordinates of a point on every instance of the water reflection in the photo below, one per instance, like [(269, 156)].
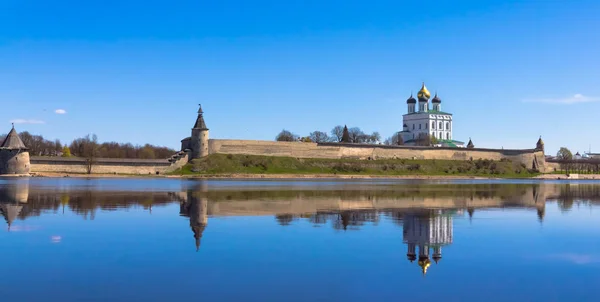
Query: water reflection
[(424, 211), (427, 230), (12, 199)]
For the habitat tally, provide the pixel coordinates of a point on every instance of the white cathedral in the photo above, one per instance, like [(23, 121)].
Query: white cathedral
[(423, 121)]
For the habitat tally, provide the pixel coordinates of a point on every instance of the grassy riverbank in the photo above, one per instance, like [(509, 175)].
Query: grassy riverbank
[(217, 164)]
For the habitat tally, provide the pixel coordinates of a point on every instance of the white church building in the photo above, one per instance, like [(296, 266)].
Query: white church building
[(423, 120)]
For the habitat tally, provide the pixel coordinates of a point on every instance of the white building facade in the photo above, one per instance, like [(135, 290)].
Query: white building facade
[(423, 120)]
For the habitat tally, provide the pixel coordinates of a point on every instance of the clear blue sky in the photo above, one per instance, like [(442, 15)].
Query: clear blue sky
[(509, 71)]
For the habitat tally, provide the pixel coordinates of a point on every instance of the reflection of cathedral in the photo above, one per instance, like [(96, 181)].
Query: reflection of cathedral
[(196, 208), (428, 231), (12, 199)]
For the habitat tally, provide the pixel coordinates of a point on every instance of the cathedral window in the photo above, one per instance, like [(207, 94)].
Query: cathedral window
[(413, 126), (440, 126), (419, 126)]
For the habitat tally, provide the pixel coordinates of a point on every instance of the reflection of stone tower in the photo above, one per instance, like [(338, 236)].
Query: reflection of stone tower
[(12, 198), (199, 138), (14, 158), (427, 231), (196, 208)]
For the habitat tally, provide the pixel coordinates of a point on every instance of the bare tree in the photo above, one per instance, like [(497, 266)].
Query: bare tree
[(394, 140), (337, 133), (90, 151), (356, 135), (286, 136), (423, 140), (319, 137)]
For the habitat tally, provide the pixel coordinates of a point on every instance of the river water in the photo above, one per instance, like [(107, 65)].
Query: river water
[(68, 239)]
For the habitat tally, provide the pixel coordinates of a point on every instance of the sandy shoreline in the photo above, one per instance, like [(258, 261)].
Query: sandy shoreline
[(301, 176)]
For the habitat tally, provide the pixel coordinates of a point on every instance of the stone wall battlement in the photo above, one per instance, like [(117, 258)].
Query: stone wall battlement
[(531, 158)]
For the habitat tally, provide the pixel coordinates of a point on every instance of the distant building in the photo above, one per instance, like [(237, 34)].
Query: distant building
[(422, 121), (593, 155)]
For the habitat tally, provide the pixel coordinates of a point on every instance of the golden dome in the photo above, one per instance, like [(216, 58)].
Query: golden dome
[(424, 93), (424, 264)]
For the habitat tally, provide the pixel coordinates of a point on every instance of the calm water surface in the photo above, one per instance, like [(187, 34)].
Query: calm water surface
[(172, 240)]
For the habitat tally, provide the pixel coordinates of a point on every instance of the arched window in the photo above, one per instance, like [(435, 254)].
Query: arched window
[(447, 126), (447, 135), (440, 126), (432, 125)]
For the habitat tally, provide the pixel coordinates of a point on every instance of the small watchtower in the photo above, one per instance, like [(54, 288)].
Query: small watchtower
[(540, 144), (14, 155), (199, 138)]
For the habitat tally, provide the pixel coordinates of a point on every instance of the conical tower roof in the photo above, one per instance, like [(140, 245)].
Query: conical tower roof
[(13, 141), (10, 212), (470, 145), (200, 124)]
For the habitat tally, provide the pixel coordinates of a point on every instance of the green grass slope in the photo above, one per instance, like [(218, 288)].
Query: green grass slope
[(250, 164)]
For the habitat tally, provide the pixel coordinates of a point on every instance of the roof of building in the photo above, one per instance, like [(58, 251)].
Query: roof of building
[(470, 144), (13, 141), (423, 93), (200, 124), (10, 212), (540, 141), (450, 143), (430, 112)]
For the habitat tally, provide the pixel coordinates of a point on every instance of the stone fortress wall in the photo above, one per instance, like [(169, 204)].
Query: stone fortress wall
[(108, 165), (531, 158)]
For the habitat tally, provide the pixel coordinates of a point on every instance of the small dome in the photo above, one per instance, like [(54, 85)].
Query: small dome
[(436, 99), (411, 100), (424, 264), (424, 93)]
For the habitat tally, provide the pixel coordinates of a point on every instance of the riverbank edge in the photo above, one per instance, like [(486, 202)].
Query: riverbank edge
[(304, 176)]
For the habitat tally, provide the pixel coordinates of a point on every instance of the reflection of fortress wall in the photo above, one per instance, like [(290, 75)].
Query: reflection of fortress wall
[(223, 203), (17, 192)]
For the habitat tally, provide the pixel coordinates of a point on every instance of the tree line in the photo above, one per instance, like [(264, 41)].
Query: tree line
[(88, 146), (569, 164), (353, 135)]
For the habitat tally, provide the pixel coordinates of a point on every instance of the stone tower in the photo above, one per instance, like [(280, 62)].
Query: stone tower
[(199, 138), (540, 144), (14, 157)]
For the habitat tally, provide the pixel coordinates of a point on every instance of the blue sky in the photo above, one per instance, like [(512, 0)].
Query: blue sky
[(509, 71)]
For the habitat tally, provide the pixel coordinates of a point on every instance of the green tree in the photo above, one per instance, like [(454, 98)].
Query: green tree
[(286, 136), (564, 154), (345, 135), (434, 140), (66, 152)]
